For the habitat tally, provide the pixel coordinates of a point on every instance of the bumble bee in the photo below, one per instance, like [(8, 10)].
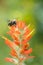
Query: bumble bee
[(12, 22)]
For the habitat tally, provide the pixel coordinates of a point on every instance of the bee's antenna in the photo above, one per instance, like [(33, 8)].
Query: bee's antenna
[(8, 20)]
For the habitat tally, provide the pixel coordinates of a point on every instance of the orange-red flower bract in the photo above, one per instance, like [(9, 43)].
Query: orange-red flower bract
[(13, 53), (9, 59), (20, 47)]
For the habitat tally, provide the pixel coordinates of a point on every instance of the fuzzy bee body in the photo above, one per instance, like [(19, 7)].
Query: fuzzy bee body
[(11, 23)]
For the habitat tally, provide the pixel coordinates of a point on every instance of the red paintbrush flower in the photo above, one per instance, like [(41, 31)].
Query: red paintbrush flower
[(20, 50)]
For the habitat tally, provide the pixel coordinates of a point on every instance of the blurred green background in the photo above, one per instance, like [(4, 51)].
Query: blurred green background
[(30, 11)]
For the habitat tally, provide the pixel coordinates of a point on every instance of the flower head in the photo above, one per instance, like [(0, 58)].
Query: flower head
[(20, 47)]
